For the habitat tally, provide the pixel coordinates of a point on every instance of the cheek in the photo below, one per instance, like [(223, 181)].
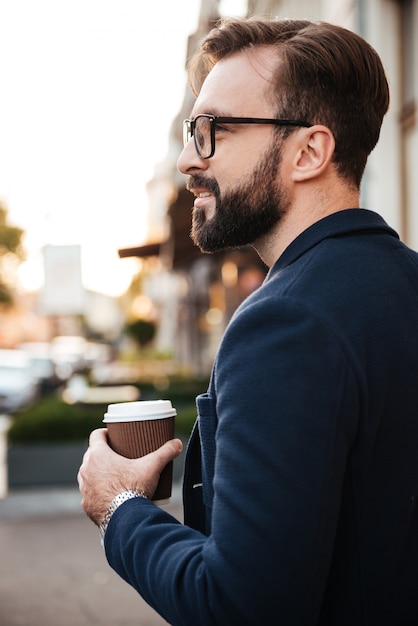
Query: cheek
[(237, 172)]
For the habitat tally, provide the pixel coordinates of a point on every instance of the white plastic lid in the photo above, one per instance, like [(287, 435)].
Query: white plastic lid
[(139, 411)]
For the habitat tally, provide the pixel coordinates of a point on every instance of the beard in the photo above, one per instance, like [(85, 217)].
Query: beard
[(244, 214)]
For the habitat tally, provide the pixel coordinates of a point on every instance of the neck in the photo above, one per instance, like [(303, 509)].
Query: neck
[(301, 216)]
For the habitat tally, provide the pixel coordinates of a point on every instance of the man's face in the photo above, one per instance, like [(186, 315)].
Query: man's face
[(240, 196), (244, 213)]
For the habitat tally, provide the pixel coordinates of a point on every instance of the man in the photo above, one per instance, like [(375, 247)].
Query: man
[(301, 476)]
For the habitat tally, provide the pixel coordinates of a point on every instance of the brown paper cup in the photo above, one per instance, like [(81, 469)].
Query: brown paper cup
[(137, 428)]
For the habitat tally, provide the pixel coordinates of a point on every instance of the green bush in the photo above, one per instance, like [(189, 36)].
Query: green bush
[(52, 420), (186, 417)]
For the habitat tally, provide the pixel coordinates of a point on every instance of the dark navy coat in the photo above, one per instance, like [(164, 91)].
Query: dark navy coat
[(301, 477)]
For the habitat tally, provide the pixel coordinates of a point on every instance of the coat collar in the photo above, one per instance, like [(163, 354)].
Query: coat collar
[(338, 224)]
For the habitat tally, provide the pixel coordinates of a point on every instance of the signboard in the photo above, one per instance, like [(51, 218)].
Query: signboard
[(63, 292)]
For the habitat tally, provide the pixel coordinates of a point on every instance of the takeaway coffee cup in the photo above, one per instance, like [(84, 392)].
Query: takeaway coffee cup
[(137, 428)]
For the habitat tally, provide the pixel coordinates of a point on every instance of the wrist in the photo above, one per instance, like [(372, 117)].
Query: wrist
[(121, 497)]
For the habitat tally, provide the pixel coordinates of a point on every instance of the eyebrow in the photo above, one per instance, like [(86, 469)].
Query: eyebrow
[(215, 113)]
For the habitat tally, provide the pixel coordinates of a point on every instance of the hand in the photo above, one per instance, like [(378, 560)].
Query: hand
[(103, 473)]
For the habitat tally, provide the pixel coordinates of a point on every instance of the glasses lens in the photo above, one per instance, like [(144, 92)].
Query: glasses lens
[(187, 132), (202, 136)]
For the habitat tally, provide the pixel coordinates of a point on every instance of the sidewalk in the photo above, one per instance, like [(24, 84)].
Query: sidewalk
[(56, 501), (53, 571), (35, 502)]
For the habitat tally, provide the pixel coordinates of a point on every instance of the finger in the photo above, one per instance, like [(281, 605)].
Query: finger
[(167, 452), (98, 436)]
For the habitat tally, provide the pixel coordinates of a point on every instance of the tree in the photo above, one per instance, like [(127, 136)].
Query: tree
[(142, 331), (10, 250)]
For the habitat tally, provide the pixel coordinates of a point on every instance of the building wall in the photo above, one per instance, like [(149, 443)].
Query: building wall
[(391, 187)]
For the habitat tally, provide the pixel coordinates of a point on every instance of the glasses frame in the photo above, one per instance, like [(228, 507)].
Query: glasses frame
[(190, 125)]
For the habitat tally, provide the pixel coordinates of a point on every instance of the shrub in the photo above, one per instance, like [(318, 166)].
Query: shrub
[(52, 420)]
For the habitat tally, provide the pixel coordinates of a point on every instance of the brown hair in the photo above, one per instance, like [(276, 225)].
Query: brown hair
[(325, 75)]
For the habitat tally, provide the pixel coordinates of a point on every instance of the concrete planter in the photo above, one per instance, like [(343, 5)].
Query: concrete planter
[(44, 465), (54, 465)]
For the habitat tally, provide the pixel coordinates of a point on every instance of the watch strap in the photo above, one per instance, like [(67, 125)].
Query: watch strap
[(115, 504)]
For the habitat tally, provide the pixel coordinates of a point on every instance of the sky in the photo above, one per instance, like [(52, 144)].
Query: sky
[(89, 90)]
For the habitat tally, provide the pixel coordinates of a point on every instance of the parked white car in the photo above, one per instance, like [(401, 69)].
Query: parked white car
[(40, 353), (19, 384)]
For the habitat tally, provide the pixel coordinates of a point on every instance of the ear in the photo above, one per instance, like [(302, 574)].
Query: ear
[(314, 153)]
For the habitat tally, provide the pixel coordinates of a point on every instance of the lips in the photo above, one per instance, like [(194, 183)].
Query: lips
[(200, 192), (204, 189)]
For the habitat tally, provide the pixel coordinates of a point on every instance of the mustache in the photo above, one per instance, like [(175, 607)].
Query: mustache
[(201, 181)]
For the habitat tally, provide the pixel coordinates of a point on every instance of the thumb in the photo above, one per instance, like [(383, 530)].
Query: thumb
[(166, 453), (150, 466)]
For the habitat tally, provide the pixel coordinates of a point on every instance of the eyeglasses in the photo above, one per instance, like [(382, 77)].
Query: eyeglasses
[(203, 128)]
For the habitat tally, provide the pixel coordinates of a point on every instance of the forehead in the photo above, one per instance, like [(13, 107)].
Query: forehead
[(239, 85)]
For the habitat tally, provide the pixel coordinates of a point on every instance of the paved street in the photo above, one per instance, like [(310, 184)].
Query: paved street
[(53, 571)]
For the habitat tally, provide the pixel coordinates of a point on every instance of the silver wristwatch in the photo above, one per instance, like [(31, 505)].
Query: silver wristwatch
[(116, 502)]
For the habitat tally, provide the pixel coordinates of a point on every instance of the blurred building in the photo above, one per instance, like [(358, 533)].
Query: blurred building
[(196, 293)]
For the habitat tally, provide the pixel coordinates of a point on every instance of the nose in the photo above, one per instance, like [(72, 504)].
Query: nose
[(189, 159)]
